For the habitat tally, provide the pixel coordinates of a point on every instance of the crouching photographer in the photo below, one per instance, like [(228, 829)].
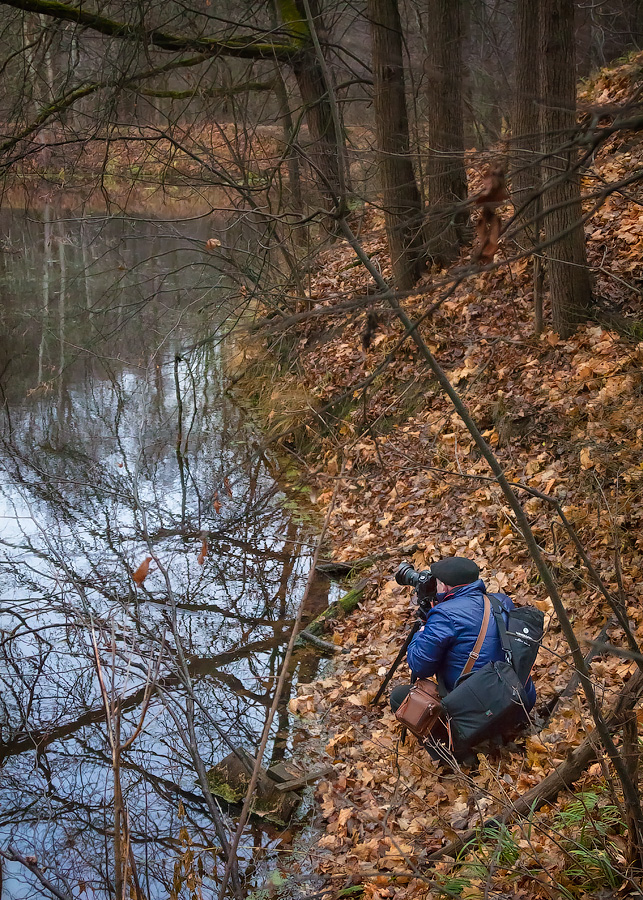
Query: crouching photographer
[(480, 647)]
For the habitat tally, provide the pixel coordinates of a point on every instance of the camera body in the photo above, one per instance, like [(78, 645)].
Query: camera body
[(424, 582)]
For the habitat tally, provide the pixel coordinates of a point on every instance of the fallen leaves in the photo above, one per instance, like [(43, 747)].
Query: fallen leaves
[(564, 417), (493, 194)]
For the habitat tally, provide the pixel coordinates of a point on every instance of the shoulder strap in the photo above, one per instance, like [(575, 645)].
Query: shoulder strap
[(502, 628), (475, 653)]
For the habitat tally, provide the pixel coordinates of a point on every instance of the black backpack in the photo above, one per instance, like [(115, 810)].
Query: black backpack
[(521, 637), (492, 700)]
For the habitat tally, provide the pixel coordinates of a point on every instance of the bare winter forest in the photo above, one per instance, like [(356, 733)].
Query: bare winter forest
[(293, 291)]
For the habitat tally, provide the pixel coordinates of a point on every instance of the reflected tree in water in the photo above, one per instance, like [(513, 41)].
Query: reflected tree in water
[(118, 697)]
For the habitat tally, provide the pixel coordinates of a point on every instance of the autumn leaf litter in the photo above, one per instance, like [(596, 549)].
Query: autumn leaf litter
[(565, 417)]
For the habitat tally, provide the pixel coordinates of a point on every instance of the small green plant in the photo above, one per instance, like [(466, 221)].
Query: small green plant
[(593, 869), (448, 885), (272, 888), (595, 818), (499, 847), (587, 821)]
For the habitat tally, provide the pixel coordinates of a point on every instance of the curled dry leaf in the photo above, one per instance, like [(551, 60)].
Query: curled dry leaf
[(204, 550), (212, 244), (140, 574), (216, 503)]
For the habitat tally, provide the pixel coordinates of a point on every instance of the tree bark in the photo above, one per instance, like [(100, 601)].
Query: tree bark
[(400, 196), (445, 169), (525, 144), (525, 140), (288, 132), (326, 156), (569, 278), (323, 152)]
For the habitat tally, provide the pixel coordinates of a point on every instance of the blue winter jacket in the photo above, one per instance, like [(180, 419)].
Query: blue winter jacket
[(443, 645)]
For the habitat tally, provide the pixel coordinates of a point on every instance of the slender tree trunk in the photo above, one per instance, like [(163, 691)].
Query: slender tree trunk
[(46, 287), (119, 883), (631, 755), (525, 139), (400, 196), (445, 131), (569, 279), (288, 132), (62, 302), (323, 151), (325, 155), (526, 144)]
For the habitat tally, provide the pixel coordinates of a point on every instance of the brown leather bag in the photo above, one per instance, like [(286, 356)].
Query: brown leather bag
[(421, 708)]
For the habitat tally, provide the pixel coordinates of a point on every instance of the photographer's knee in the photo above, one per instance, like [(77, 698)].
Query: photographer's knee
[(398, 694)]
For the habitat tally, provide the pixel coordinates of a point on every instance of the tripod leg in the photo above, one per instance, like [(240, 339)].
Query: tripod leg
[(398, 659)]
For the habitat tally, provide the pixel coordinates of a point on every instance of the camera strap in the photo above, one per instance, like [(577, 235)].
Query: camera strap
[(475, 653)]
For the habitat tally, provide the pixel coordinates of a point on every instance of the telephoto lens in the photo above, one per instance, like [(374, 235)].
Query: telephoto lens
[(406, 574)]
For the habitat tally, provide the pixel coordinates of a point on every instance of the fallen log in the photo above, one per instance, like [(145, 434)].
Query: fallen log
[(340, 567), (343, 607), (324, 646), (345, 567), (562, 777)]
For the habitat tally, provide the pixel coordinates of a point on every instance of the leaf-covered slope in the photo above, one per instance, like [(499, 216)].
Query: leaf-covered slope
[(565, 418)]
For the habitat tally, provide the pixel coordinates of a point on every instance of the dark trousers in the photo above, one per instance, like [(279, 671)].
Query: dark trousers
[(398, 694)]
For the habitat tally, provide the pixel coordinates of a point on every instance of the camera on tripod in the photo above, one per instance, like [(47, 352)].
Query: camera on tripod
[(425, 585)]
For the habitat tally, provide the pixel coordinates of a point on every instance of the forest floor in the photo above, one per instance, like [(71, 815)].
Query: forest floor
[(564, 417)]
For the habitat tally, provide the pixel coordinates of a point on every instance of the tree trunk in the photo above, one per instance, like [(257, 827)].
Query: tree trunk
[(525, 145), (569, 279), (445, 131), (288, 132), (525, 141), (325, 156), (323, 151), (400, 196)]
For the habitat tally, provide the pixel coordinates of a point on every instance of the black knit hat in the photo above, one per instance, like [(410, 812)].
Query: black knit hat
[(455, 570)]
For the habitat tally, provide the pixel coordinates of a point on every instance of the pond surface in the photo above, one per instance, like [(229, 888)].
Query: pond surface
[(120, 444)]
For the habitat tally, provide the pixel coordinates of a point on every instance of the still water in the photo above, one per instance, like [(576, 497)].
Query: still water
[(119, 443)]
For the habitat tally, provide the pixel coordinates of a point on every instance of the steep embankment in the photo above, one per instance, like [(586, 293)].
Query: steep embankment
[(565, 418)]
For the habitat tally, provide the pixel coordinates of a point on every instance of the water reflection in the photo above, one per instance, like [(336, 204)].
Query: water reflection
[(119, 444)]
